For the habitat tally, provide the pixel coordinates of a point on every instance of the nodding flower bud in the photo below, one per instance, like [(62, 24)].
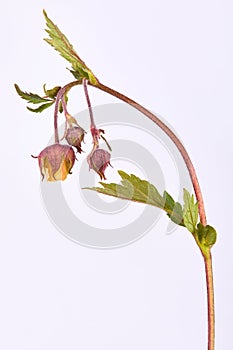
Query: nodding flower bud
[(98, 161), (75, 136), (56, 162)]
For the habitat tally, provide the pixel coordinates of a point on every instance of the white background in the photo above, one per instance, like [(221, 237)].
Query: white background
[(176, 58)]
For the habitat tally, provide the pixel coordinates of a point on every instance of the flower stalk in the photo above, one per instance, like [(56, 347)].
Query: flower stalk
[(60, 98), (98, 159), (85, 81)]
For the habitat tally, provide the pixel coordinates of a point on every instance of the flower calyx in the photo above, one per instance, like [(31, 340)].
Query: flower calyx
[(98, 160), (75, 136), (56, 161)]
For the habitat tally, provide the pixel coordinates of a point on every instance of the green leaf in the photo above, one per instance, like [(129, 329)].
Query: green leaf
[(174, 209), (137, 190), (30, 97), (41, 108), (76, 74), (61, 44), (190, 212), (52, 93), (207, 235)]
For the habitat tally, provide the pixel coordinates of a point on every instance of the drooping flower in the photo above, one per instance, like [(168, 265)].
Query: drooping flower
[(56, 162), (75, 136), (98, 161)]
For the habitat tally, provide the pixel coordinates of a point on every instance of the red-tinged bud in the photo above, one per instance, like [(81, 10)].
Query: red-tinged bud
[(98, 161), (56, 162), (75, 136)]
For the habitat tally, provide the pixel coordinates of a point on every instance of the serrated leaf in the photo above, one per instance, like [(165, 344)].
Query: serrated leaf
[(207, 235), (135, 189), (41, 108), (52, 93), (61, 44), (30, 97), (190, 212), (76, 74), (174, 209)]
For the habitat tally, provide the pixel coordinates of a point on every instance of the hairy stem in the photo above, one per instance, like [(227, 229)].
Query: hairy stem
[(64, 106), (93, 126), (56, 136), (59, 98), (210, 299)]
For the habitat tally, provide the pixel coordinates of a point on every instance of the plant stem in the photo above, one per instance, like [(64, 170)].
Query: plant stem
[(93, 126), (198, 193), (59, 97), (210, 299), (64, 106), (195, 183), (56, 136)]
